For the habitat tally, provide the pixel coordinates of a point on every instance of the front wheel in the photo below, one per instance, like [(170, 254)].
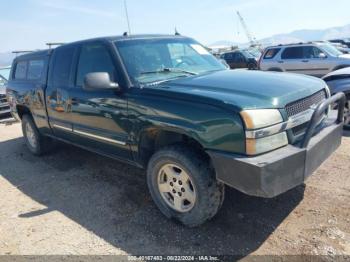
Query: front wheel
[(183, 186)]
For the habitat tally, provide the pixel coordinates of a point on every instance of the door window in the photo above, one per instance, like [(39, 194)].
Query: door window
[(293, 53), (63, 66), (95, 58), (311, 52), (271, 53), (239, 58), (228, 56)]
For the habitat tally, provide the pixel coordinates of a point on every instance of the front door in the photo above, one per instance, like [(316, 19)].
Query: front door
[(317, 65), (99, 117)]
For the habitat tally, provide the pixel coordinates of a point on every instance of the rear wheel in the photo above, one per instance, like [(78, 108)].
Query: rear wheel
[(36, 143), (183, 186)]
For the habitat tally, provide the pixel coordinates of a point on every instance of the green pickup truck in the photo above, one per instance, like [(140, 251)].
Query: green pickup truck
[(163, 103)]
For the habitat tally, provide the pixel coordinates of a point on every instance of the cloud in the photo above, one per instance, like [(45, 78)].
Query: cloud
[(69, 7)]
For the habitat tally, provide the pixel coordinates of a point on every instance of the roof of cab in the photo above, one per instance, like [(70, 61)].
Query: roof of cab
[(34, 54), (128, 37), (107, 38)]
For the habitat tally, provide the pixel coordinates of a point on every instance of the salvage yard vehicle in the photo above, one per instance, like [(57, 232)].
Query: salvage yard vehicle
[(165, 104), (313, 58), (345, 41), (339, 81), (4, 106), (240, 59)]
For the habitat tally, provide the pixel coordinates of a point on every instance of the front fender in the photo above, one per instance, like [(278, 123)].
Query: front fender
[(212, 127)]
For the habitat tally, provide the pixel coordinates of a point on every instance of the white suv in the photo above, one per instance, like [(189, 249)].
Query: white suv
[(316, 59)]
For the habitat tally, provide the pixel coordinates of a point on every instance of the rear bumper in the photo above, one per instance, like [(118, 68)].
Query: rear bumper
[(273, 173)]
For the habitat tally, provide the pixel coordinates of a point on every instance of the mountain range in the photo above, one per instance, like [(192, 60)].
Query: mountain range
[(6, 59), (297, 36), (293, 37)]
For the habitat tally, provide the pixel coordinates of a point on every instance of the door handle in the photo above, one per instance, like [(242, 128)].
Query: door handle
[(281, 62), (305, 61)]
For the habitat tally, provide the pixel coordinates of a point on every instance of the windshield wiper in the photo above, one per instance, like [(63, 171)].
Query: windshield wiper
[(169, 70)]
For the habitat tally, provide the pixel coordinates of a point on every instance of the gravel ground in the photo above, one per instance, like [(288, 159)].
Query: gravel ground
[(75, 202)]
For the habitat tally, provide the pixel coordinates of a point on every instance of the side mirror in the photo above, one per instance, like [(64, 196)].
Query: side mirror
[(99, 80), (322, 56)]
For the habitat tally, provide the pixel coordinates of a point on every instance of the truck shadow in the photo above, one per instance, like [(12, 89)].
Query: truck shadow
[(111, 200)]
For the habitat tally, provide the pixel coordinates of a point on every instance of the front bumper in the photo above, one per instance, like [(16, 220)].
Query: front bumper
[(273, 173)]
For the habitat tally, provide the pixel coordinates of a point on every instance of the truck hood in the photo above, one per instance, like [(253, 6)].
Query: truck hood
[(246, 89)]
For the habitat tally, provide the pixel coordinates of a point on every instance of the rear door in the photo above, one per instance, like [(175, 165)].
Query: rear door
[(99, 117), (57, 91)]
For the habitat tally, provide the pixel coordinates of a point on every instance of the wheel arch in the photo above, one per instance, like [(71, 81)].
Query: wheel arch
[(275, 69), (22, 110), (154, 138), (340, 67)]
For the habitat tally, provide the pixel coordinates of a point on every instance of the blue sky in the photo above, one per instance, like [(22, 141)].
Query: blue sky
[(29, 24)]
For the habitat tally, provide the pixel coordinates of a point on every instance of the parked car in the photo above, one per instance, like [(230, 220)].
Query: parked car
[(339, 81), (4, 106), (240, 59), (5, 72), (342, 48), (316, 59), (163, 103), (345, 41)]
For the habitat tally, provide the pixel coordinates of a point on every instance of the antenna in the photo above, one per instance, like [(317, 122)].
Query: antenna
[(127, 16)]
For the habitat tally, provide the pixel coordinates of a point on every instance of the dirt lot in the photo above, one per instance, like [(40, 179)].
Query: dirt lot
[(75, 202)]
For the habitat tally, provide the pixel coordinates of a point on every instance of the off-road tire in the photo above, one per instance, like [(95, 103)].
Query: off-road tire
[(210, 192), (42, 144)]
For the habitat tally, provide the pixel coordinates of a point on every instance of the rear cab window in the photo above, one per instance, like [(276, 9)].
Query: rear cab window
[(29, 69), (21, 70), (35, 69)]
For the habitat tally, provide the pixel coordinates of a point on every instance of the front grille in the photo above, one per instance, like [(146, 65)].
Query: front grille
[(304, 104)]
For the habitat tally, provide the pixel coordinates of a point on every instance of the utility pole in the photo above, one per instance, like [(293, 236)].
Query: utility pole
[(127, 16)]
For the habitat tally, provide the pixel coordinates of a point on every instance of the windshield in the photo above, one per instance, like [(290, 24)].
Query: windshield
[(248, 54), (331, 50), (156, 60)]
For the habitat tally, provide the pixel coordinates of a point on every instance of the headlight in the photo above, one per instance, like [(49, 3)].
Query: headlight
[(259, 118), (269, 143)]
